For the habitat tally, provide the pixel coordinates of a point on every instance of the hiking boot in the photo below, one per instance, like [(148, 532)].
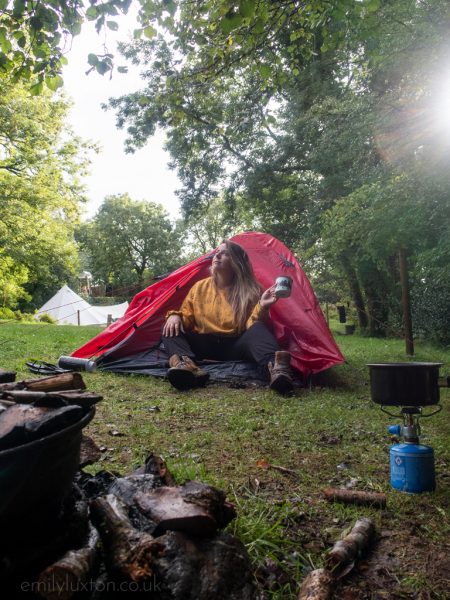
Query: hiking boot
[(184, 374), (280, 373)]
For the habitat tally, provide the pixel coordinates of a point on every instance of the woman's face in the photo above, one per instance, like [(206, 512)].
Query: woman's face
[(221, 262)]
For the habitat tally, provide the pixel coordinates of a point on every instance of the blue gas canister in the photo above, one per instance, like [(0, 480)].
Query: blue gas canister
[(412, 468)]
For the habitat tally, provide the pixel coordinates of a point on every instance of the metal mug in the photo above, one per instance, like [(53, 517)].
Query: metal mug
[(283, 286)]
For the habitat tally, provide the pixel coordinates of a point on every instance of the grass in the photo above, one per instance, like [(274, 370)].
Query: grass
[(329, 434)]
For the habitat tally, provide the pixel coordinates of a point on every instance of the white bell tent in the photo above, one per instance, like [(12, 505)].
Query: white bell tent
[(68, 308)]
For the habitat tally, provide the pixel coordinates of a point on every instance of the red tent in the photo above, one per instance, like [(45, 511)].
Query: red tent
[(298, 321)]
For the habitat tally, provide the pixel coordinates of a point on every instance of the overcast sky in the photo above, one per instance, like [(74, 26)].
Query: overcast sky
[(144, 175)]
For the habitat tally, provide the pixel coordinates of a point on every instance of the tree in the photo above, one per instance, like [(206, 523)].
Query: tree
[(129, 242), (215, 33), (35, 35), (295, 114), (41, 163)]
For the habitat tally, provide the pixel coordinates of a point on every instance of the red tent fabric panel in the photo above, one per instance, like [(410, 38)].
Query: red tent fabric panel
[(298, 322)]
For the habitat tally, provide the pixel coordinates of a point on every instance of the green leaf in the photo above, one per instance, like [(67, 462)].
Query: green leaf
[(170, 6), (122, 69), (53, 83), (373, 5), (92, 59), (5, 44), (112, 25), (230, 22), (260, 25), (102, 67), (3, 4), (19, 8), (149, 32), (75, 28), (37, 88), (137, 34), (91, 13), (247, 8), (265, 71)]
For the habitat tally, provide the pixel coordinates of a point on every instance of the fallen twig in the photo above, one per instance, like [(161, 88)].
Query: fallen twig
[(317, 585), (341, 557), (355, 497)]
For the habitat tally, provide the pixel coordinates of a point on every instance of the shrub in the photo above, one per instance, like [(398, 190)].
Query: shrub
[(6, 313), (45, 318), (24, 317)]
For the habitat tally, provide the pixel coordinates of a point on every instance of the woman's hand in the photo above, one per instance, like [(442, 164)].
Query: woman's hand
[(173, 326), (268, 298)]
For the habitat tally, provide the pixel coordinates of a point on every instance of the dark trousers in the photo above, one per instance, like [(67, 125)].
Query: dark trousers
[(256, 344)]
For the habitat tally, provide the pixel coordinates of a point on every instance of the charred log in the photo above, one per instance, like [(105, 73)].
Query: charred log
[(128, 552), (155, 465), (194, 508), (62, 579), (203, 568), (7, 376)]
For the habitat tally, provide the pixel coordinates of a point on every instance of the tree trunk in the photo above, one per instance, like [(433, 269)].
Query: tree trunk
[(356, 293), (377, 307)]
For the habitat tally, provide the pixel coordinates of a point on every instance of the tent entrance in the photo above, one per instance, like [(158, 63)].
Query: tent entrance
[(155, 362)]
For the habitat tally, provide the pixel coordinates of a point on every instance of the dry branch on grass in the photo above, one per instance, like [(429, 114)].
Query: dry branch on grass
[(317, 585), (355, 497), (341, 557)]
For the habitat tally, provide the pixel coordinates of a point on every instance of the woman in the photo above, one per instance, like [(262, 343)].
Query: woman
[(222, 318)]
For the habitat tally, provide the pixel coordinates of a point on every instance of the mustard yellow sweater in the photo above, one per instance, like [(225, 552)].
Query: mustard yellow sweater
[(206, 310)]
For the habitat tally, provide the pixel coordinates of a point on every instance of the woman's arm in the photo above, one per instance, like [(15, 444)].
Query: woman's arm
[(180, 320), (261, 310)]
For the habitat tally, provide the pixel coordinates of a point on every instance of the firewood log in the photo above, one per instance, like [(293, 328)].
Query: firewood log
[(166, 507), (63, 381), (127, 551), (7, 376), (155, 465), (79, 397), (22, 423), (62, 579), (195, 508), (317, 585), (127, 487), (341, 557), (213, 499), (13, 421), (375, 499), (193, 568)]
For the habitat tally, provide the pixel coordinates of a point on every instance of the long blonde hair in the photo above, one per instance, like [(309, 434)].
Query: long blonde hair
[(244, 291)]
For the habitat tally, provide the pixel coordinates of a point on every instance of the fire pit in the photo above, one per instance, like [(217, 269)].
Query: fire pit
[(34, 478)]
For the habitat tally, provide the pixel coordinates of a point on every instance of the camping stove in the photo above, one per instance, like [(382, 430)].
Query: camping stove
[(410, 387)]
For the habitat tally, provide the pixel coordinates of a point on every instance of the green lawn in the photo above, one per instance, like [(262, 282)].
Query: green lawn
[(331, 434)]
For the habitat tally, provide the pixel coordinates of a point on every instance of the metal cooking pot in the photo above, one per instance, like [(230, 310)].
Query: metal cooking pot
[(35, 477), (405, 384)]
